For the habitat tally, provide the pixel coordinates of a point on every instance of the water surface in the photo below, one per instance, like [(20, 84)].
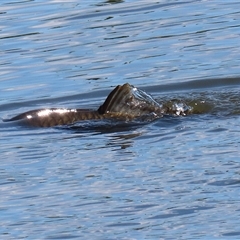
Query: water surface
[(176, 177)]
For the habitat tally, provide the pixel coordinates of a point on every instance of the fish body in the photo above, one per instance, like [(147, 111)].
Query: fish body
[(125, 102), (55, 116)]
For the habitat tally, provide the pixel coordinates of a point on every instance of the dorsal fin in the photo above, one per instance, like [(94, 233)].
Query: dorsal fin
[(109, 100), (128, 100)]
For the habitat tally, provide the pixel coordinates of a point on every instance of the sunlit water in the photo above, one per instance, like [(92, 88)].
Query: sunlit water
[(173, 178)]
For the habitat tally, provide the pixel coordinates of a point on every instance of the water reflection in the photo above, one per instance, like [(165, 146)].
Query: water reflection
[(114, 1), (124, 140), (108, 2), (119, 135), (147, 182)]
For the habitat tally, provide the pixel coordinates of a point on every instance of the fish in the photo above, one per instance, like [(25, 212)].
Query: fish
[(125, 102)]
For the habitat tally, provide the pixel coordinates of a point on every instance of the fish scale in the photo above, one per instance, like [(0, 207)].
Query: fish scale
[(125, 102)]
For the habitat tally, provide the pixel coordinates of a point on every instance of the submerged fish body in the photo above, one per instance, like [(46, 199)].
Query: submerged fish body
[(125, 102)]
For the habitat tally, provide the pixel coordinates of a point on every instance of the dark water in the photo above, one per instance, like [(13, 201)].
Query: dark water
[(173, 178)]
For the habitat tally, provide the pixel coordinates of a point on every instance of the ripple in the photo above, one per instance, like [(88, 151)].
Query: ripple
[(176, 176)]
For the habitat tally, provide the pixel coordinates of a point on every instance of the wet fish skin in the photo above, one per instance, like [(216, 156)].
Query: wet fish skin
[(124, 103), (55, 116), (130, 101)]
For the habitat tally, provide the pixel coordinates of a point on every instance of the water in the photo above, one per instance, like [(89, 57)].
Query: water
[(176, 177)]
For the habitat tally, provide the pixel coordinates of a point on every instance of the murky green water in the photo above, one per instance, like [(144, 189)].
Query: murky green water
[(173, 178)]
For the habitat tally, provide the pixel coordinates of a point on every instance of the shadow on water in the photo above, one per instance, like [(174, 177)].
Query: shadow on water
[(197, 85)]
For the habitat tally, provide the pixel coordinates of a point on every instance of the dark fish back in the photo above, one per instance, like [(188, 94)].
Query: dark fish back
[(55, 116), (127, 100), (124, 102)]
